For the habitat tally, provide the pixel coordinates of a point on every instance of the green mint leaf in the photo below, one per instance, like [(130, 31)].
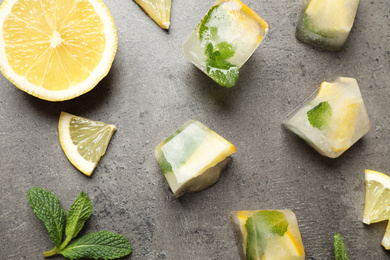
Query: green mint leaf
[(339, 248), (218, 68), (319, 115), (79, 213), (100, 245), (260, 227), (206, 32), (46, 207)]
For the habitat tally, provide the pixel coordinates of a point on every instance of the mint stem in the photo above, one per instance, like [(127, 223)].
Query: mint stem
[(50, 253)]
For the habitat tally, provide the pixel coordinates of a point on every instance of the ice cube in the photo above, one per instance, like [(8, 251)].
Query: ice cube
[(333, 119), (193, 157), (224, 40), (326, 23), (267, 234)]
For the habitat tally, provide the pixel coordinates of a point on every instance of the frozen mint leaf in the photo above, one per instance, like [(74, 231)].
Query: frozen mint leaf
[(339, 248), (46, 207), (260, 227), (206, 32), (319, 115), (79, 213), (100, 245), (218, 68)]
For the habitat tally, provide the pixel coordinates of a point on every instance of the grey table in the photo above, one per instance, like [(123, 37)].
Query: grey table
[(152, 89)]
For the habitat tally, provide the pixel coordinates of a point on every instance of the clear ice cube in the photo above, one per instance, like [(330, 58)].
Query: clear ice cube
[(193, 157), (267, 234), (333, 119), (326, 23), (224, 40)]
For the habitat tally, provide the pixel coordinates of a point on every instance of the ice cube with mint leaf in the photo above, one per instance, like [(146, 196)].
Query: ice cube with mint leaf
[(267, 234), (193, 157), (332, 119), (224, 40)]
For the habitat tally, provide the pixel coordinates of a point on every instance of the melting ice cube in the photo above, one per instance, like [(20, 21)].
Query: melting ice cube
[(333, 119), (224, 40), (193, 157), (267, 234), (326, 23)]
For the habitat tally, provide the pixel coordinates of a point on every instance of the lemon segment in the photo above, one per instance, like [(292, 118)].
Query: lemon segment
[(84, 141), (344, 125), (56, 50), (158, 10), (377, 197), (386, 238), (329, 17)]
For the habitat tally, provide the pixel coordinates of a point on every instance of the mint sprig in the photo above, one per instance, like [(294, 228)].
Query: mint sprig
[(340, 251), (320, 115), (100, 245), (218, 68)]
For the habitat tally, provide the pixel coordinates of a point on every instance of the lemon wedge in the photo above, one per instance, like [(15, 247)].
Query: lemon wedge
[(344, 125), (329, 17), (84, 141), (377, 199), (56, 50), (386, 238), (158, 10)]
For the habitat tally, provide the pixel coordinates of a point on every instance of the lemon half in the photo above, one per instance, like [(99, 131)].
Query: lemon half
[(56, 50), (84, 141)]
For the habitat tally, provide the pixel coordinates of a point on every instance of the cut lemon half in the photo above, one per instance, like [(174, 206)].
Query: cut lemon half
[(158, 10), (329, 17), (377, 198), (56, 50), (84, 141)]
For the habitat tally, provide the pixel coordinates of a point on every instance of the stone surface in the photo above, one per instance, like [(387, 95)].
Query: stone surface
[(152, 88)]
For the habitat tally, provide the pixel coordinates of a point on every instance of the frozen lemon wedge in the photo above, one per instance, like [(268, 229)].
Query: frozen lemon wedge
[(344, 125), (329, 17), (158, 10), (377, 199), (84, 141), (56, 50)]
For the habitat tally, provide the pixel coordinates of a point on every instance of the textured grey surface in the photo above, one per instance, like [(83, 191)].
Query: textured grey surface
[(152, 89)]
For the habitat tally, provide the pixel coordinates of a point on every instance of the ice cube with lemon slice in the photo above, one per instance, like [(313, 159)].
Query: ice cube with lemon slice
[(84, 141), (193, 157), (267, 234), (333, 119), (326, 23), (377, 201), (224, 40)]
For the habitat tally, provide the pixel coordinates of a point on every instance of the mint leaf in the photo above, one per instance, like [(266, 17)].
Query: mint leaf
[(206, 32), (100, 245), (46, 207), (339, 248), (260, 227), (218, 68), (319, 115), (79, 213)]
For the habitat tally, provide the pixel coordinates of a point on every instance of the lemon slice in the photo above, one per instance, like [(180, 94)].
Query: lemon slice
[(84, 141), (377, 200), (158, 10), (344, 125), (286, 247), (329, 17), (56, 50)]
